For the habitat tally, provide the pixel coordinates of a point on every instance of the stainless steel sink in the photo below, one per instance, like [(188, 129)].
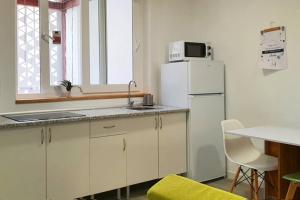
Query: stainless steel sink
[(42, 116), (141, 108)]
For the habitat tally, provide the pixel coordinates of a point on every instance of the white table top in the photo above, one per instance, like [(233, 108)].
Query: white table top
[(271, 133)]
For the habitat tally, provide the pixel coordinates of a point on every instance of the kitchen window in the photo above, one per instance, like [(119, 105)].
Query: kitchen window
[(86, 42)]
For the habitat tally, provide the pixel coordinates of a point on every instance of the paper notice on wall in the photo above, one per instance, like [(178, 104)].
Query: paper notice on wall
[(273, 49)]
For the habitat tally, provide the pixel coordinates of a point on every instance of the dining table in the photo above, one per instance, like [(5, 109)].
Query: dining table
[(283, 143)]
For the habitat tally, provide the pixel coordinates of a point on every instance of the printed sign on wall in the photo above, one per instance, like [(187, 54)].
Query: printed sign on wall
[(273, 49)]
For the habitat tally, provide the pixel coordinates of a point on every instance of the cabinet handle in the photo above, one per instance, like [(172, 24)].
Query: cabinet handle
[(156, 123), (42, 136), (50, 135), (109, 127), (124, 144), (161, 123)]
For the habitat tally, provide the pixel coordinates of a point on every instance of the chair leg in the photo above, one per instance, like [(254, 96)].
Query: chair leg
[(291, 191), (235, 179), (252, 184), (256, 185)]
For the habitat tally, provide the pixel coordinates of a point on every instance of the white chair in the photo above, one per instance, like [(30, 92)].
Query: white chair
[(240, 150)]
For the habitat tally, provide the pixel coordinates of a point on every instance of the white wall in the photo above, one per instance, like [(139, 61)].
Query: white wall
[(254, 96), (7, 52), (164, 21)]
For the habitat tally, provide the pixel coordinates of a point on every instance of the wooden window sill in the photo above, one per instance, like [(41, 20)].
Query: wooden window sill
[(77, 98)]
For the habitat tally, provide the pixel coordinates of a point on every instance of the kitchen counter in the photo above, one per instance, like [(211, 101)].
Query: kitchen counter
[(93, 114)]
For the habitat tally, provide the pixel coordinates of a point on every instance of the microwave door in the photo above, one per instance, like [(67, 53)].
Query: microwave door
[(195, 50)]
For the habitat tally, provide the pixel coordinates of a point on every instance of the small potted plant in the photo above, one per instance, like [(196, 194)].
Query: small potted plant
[(68, 87)]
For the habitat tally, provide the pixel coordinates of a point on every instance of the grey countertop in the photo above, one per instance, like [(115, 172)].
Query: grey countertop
[(93, 114)]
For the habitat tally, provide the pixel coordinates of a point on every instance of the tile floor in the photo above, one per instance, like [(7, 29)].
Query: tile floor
[(138, 192)]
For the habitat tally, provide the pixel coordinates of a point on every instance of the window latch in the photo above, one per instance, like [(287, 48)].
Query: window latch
[(46, 37)]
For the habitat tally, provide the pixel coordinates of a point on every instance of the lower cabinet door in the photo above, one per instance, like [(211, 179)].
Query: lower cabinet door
[(142, 150), (68, 161), (108, 163), (22, 164), (172, 144)]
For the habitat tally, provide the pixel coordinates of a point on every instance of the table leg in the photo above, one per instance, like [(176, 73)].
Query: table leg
[(288, 162)]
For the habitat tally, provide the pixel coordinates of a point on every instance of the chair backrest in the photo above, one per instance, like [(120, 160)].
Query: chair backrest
[(238, 149)]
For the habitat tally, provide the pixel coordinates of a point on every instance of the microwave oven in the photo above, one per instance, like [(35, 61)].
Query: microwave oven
[(183, 51)]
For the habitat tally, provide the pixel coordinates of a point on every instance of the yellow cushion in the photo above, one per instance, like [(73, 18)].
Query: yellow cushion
[(175, 187)]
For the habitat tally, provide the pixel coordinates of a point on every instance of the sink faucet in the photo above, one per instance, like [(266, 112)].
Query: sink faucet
[(130, 103)]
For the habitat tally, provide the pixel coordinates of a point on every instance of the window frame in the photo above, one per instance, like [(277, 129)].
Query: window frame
[(137, 72), (46, 89)]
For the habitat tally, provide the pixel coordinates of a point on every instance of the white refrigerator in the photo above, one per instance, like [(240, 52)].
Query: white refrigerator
[(199, 85)]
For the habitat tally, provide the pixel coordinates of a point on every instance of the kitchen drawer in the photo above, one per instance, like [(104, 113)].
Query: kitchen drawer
[(109, 127)]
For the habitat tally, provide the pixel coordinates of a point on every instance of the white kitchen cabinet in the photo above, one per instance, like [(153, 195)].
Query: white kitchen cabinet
[(108, 163), (67, 161), (22, 164), (142, 150), (172, 144), (72, 160), (123, 152), (135, 150), (108, 155)]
